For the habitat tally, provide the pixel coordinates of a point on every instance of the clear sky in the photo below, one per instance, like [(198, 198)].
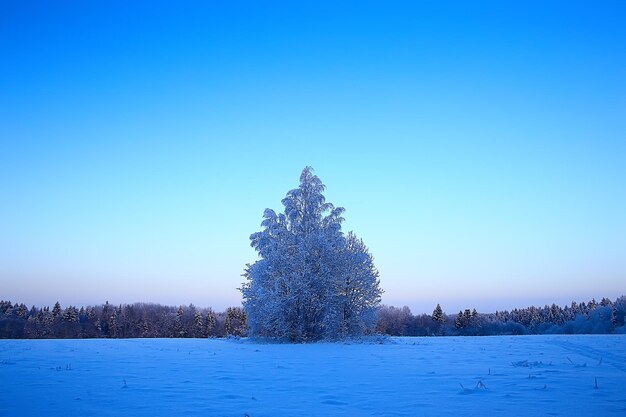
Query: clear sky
[(480, 152)]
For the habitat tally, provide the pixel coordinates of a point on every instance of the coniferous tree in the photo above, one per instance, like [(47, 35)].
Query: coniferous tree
[(56, 310), (179, 326), (112, 323), (235, 323), (619, 312), (211, 322), (459, 322), (439, 319), (438, 316), (199, 325)]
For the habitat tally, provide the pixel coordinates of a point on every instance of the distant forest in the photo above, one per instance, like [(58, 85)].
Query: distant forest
[(593, 317), (142, 320)]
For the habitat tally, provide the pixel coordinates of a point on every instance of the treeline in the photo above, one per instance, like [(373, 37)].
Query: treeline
[(592, 317), (139, 320)]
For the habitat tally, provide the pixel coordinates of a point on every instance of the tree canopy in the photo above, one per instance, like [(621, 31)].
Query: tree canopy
[(311, 281)]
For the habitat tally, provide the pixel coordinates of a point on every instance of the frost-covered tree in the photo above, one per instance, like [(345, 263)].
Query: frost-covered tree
[(439, 319), (460, 322), (179, 325), (56, 310), (438, 316), (113, 323), (619, 312), (358, 291), (311, 281), (394, 321), (211, 321), (235, 323), (199, 325), (70, 314)]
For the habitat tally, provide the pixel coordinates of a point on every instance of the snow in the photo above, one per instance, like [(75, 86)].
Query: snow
[(504, 375)]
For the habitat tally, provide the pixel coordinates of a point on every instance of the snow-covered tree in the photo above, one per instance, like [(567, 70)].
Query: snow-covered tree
[(112, 324), (619, 312), (393, 321), (70, 314), (311, 281), (179, 327), (460, 322), (56, 310), (358, 290), (199, 325), (21, 311), (438, 316), (235, 323), (211, 321)]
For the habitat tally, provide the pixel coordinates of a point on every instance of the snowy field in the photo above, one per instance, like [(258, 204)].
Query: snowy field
[(521, 375)]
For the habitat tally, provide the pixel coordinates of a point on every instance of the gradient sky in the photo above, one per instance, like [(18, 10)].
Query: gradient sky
[(480, 152)]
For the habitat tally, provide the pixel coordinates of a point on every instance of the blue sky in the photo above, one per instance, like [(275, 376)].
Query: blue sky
[(479, 151)]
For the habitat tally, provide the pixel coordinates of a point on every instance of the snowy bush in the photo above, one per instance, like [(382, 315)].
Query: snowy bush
[(311, 282)]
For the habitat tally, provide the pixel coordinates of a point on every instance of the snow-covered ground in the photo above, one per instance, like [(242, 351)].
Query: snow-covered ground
[(518, 375)]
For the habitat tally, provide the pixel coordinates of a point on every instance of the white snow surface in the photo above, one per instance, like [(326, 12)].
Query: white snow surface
[(504, 375)]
